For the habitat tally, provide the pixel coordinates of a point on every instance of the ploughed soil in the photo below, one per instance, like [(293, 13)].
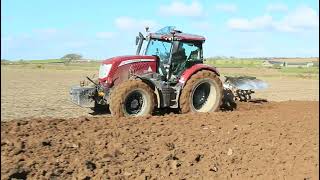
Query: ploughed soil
[(271, 140)]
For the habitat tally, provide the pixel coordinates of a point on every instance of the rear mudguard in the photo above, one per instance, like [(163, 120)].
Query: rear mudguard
[(192, 70)]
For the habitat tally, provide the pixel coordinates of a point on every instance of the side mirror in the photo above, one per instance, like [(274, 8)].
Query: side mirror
[(139, 41), (140, 36)]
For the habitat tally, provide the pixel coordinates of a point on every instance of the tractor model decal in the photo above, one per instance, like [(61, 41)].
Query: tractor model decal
[(135, 61)]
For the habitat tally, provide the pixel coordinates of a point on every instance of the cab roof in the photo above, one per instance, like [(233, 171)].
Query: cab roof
[(178, 36), (166, 33)]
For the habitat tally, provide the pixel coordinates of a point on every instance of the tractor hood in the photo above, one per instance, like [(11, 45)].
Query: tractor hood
[(124, 59), (119, 68)]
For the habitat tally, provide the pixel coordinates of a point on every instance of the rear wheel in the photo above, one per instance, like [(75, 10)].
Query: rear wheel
[(132, 98), (202, 93)]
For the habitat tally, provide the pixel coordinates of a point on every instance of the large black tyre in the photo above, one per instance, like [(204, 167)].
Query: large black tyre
[(203, 92), (132, 98)]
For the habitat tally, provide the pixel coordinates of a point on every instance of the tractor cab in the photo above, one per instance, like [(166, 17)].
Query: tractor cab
[(175, 50)]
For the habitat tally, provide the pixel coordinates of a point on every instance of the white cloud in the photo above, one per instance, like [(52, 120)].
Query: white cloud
[(277, 7), (105, 35), (177, 8), (257, 23), (203, 25), (226, 7), (302, 18), (129, 23)]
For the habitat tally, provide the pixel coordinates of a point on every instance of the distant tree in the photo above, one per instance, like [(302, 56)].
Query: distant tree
[(71, 57)]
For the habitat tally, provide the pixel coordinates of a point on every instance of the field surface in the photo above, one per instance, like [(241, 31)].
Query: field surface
[(45, 136), (275, 140)]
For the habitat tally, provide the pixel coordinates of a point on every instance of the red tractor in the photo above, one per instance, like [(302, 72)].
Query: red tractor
[(169, 73)]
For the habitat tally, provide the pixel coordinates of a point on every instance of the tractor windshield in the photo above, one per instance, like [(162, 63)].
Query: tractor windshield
[(159, 48)]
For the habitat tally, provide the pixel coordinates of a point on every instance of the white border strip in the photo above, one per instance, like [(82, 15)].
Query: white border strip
[(135, 61)]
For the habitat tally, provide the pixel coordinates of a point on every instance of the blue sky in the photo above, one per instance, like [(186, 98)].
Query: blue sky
[(43, 29)]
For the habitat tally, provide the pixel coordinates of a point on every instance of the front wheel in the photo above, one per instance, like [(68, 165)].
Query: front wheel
[(132, 98), (203, 92)]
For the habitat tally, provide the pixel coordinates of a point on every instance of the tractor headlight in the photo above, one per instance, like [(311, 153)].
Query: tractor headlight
[(104, 70)]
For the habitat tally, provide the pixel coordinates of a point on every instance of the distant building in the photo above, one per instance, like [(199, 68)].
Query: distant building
[(269, 63), (302, 64)]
